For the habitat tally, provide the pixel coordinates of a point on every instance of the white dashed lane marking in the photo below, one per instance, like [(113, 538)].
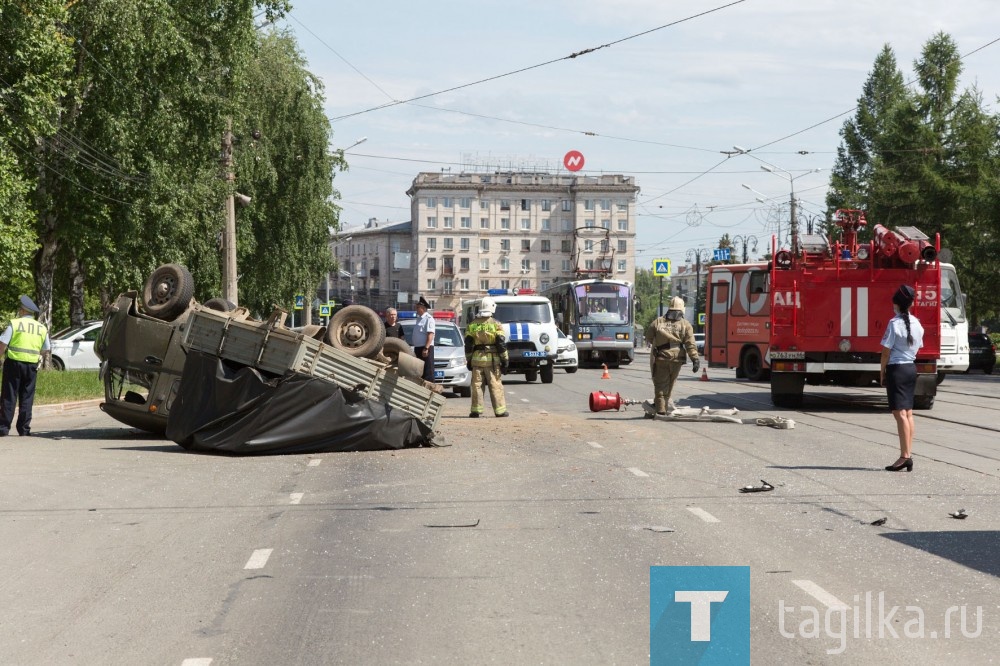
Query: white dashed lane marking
[(637, 471), (821, 595), (704, 515), (315, 461), (259, 558), (595, 445), (197, 661), (525, 400), (295, 498)]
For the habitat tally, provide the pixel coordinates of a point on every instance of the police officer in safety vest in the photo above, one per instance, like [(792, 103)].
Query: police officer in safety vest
[(23, 340), (486, 356), (672, 337)]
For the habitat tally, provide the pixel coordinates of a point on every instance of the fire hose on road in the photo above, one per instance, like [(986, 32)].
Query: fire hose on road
[(603, 400)]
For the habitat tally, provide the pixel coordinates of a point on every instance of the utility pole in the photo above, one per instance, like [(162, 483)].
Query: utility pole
[(229, 233)]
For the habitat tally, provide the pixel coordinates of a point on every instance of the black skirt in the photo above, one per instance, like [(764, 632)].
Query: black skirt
[(900, 383)]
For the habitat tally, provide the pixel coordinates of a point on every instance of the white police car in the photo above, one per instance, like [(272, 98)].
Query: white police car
[(449, 354)]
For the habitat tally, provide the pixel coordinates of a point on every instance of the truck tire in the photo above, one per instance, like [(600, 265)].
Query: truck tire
[(752, 364), (547, 372), (531, 375), (788, 400), (168, 292), (923, 402), (786, 390), (357, 330), (220, 305), (393, 347), (570, 371)]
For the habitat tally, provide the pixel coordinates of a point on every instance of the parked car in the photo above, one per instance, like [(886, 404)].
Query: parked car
[(73, 347), (567, 357), (699, 343), (982, 353), (449, 355)]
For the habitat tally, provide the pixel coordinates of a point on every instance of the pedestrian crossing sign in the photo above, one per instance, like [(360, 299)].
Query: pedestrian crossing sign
[(300, 301), (661, 267), (324, 310)]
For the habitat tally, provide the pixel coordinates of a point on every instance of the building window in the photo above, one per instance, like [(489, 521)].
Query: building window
[(505, 265), (546, 246), (567, 266), (545, 285), (622, 265), (465, 202), (622, 225), (505, 284), (525, 284), (589, 223), (589, 264), (566, 246), (432, 263), (567, 205), (432, 202), (525, 204), (449, 266), (525, 224), (484, 223), (447, 286), (605, 224), (463, 264), (505, 245), (431, 284), (463, 244), (484, 285), (588, 246), (449, 223), (588, 204), (567, 225), (505, 204), (546, 224), (394, 285), (621, 204), (546, 204), (449, 243), (622, 246), (484, 264), (525, 245), (448, 202), (526, 264), (484, 244), (432, 222), (484, 204), (505, 223), (432, 243), (466, 222), (463, 285), (604, 245), (544, 265), (605, 204)]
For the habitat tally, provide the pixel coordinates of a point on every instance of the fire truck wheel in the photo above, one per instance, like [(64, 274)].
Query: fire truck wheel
[(752, 364), (168, 292), (547, 372), (940, 377), (357, 330), (788, 400), (923, 402)]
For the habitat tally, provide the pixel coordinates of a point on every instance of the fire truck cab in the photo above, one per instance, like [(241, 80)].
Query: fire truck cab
[(816, 314)]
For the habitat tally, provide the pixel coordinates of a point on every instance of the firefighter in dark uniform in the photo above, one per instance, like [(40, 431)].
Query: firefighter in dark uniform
[(672, 339), (486, 356), (23, 340)]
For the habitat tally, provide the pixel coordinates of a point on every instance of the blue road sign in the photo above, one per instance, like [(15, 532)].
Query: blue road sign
[(300, 301), (721, 254), (324, 310), (661, 267)]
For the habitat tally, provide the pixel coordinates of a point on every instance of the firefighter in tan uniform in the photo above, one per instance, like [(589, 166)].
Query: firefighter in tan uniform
[(486, 356), (672, 339)]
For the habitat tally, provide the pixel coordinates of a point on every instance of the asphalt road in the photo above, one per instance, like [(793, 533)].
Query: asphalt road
[(525, 540)]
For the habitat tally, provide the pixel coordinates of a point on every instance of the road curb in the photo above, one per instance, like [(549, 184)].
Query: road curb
[(65, 406)]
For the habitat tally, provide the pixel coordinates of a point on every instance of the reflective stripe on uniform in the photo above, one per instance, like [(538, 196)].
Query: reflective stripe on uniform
[(27, 340)]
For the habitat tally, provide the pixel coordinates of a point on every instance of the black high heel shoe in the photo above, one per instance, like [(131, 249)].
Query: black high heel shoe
[(907, 464)]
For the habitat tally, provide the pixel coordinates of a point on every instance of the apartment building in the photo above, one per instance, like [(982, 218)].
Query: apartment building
[(473, 232)]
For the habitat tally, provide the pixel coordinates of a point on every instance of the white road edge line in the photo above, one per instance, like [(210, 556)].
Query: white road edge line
[(315, 461), (295, 498), (595, 445), (259, 558), (197, 661), (821, 595), (525, 400), (704, 515), (637, 471)]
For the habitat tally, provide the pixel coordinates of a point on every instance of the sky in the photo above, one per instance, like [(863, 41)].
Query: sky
[(666, 91)]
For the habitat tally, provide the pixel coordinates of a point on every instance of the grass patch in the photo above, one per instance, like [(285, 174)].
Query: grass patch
[(54, 386)]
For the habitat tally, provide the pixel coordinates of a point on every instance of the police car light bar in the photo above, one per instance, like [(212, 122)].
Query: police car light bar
[(510, 292)]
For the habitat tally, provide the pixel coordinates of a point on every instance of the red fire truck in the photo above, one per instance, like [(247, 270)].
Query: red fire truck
[(815, 314)]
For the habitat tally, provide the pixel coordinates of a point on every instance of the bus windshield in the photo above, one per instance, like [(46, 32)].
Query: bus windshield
[(603, 303), (952, 300)]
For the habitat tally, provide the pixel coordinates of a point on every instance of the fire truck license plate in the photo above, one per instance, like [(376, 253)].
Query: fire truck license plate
[(534, 354)]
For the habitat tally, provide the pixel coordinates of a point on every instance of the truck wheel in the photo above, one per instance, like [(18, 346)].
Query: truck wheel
[(220, 305), (530, 375), (923, 402), (168, 292), (789, 400), (393, 347), (940, 377), (570, 371), (752, 364), (357, 330), (547, 372)]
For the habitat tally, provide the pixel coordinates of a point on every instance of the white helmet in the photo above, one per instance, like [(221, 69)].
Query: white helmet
[(677, 303), (488, 307)]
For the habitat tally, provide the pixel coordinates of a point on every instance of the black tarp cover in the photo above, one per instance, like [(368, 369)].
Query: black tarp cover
[(229, 408)]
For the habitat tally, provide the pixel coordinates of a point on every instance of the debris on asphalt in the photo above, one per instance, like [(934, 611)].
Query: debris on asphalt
[(757, 489), (659, 528), (960, 514), (879, 522), (475, 524)]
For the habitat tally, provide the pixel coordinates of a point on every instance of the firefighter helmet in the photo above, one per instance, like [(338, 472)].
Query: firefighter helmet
[(677, 303), (488, 307)]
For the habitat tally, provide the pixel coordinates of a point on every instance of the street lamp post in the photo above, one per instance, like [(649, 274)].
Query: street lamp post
[(778, 171), (696, 255), (744, 241)]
